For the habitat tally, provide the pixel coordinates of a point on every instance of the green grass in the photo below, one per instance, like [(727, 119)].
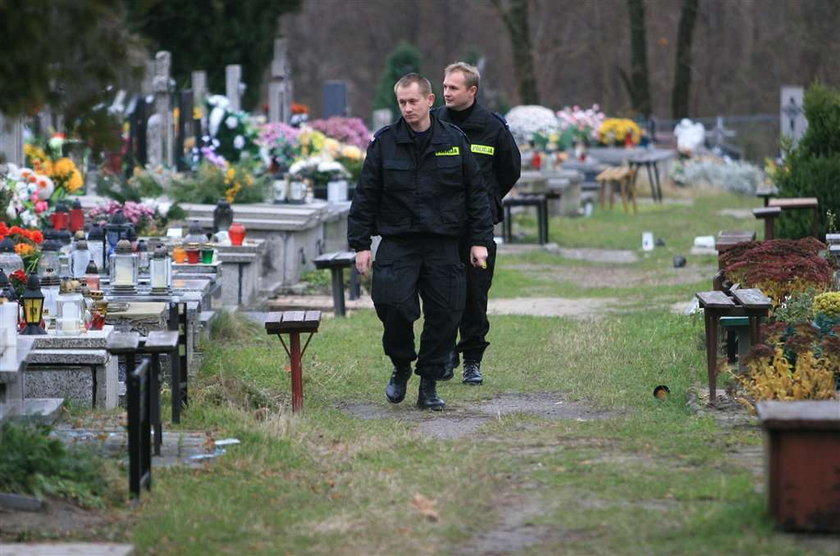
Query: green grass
[(651, 477)]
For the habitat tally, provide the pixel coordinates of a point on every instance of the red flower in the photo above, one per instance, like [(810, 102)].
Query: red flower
[(16, 230), (36, 236)]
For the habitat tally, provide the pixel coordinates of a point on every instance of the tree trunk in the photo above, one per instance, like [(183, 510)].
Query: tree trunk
[(680, 94), (639, 86), (515, 16)]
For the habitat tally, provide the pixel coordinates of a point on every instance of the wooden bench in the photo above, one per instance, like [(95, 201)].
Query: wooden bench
[(802, 445), (537, 200), (336, 263), (751, 303), (776, 206), (621, 178), (294, 323), (727, 239)]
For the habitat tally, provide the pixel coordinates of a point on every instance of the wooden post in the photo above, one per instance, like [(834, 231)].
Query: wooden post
[(297, 372)]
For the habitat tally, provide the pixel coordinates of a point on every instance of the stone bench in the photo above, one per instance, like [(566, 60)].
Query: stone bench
[(294, 323)]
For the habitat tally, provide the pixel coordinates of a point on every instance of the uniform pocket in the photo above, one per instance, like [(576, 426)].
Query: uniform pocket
[(397, 174), (449, 171), (457, 287)]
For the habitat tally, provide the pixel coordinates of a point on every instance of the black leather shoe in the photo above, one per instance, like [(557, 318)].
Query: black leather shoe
[(395, 391), (427, 398), (449, 367), (472, 373)]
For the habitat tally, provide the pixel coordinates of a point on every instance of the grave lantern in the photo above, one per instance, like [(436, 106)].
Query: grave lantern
[(49, 255), (143, 256), (124, 265), (91, 277), (6, 288), (71, 311), (222, 215), (115, 230), (33, 306), (50, 286), (10, 261), (96, 245), (79, 259), (77, 217), (160, 268), (60, 218), (195, 234)]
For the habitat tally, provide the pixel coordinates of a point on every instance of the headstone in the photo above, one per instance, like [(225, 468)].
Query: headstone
[(234, 86), (185, 128), (147, 85), (11, 140), (280, 86), (792, 116), (381, 118), (160, 132), (199, 87), (335, 99), (719, 133)]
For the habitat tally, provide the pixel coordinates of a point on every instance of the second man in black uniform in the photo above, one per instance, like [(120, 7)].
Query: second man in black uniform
[(498, 157)]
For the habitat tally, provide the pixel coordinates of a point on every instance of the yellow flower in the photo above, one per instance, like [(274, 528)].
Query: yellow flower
[(63, 167), (197, 113), (75, 182), (351, 152)]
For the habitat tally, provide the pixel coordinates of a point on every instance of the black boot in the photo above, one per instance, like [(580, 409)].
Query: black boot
[(449, 367), (427, 398), (395, 391), (472, 372)]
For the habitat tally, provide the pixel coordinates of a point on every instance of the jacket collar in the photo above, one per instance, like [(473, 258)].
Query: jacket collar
[(439, 136)]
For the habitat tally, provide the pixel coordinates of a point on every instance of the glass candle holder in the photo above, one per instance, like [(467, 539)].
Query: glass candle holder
[(193, 253), (179, 254), (207, 252)]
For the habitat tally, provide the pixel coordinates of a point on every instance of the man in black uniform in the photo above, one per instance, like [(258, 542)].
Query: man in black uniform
[(498, 157), (418, 187)]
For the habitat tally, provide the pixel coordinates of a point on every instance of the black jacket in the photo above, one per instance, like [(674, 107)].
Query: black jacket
[(495, 151), (403, 192)]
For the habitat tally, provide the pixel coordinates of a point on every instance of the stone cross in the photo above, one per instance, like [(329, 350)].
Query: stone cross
[(11, 140), (234, 86), (719, 133), (792, 117), (160, 134), (280, 86)]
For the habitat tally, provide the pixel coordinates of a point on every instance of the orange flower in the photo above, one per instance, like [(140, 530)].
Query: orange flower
[(24, 249)]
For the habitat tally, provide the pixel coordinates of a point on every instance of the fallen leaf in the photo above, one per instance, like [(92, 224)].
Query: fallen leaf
[(426, 507)]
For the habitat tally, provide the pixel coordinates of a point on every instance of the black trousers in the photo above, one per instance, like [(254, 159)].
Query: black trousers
[(474, 325), (405, 271)]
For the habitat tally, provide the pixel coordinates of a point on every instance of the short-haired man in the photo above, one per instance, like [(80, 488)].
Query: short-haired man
[(498, 157), (418, 187)]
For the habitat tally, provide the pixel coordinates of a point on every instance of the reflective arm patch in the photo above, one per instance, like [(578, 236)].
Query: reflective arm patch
[(454, 151), (483, 149)]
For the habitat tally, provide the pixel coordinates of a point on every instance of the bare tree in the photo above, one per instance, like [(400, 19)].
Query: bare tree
[(682, 74), (638, 84), (515, 15)]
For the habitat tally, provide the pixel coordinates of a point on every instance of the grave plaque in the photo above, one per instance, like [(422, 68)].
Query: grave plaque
[(335, 99)]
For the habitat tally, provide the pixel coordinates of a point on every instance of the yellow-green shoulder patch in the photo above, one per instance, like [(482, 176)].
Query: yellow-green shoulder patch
[(489, 150), (453, 151)]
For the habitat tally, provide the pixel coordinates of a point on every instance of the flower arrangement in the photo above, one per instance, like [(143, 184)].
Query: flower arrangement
[(278, 144), (27, 243), (619, 131), (579, 125), (49, 162), (526, 120), (145, 217), (236, 138), (239, 183), (25, 194), (18, 280), (351, 131), (828, 304)]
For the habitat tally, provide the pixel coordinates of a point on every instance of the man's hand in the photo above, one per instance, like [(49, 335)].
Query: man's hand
[(478, 256), (364, 260)]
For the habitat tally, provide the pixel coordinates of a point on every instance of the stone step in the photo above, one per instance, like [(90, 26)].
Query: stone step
[(43, 411)]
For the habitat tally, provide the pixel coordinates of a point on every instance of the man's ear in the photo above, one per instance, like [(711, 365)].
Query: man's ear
[(431, 99)]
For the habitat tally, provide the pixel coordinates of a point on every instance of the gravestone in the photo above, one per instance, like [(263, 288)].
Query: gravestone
[(381, 118), (280, 86), (792, 116), (234, 87), (335, 99), (198, 80), (163, 105), (11, 140)]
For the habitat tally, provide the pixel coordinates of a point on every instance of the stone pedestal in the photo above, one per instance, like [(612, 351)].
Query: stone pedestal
[(241, 269), (68, 366)]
